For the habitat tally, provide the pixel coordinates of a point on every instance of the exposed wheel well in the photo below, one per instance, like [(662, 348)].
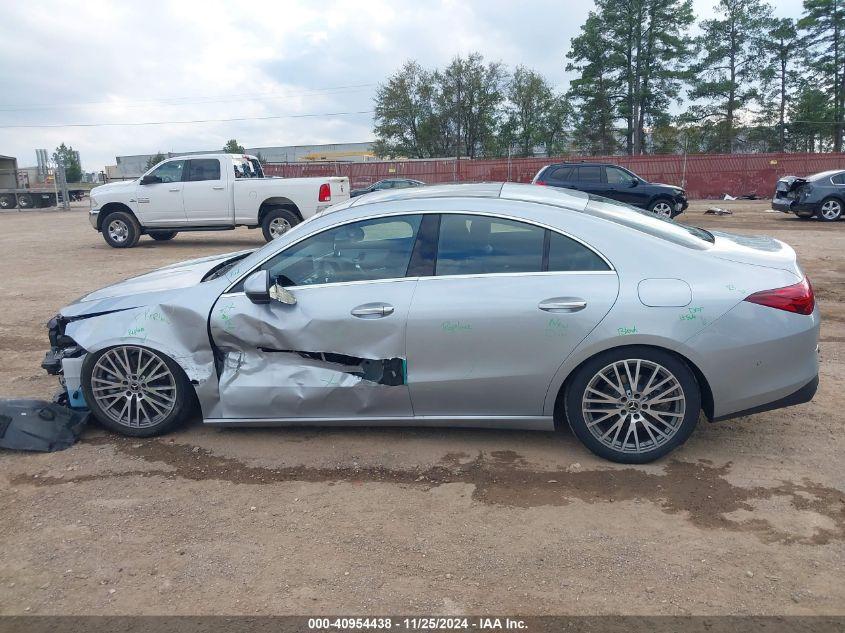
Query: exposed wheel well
[(110, 208), (278, 203), (706, 392)]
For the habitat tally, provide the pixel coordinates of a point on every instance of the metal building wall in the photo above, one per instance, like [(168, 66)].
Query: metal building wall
[(703, 176)]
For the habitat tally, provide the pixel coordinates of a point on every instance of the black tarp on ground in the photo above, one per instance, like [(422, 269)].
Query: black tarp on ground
[(38, 425)]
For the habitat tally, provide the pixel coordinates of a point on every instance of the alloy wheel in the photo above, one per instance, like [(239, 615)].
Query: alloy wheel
[(278, 227), (633, 405), (663, 209), (831, 210), (133, 386), (118, 231)]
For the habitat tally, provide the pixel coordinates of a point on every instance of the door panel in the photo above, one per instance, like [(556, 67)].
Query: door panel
[(318, 358), (205, 195), (490, 344), (160, 203)]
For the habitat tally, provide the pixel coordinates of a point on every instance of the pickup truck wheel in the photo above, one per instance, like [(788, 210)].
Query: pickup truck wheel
[(121, 230), (277, 222), (830, 210), (163, 236)]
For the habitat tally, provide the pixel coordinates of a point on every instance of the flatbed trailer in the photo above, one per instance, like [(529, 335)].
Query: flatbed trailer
[(13, 196)]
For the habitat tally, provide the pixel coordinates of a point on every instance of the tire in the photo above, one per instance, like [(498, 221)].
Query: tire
[(634, 430), (277, 222), (132, 404), (25, 201), (829, 210), (662, 207), (121, 230), (163, 236), (804, 216), (7, 201)]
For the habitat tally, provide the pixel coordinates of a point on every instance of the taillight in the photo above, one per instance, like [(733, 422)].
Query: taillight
[(797, 298), (325, 194), (539, 182)]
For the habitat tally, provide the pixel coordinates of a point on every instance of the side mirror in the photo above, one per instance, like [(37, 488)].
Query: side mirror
[(635, 182), (258, 289), (257, 286), (149, 179)]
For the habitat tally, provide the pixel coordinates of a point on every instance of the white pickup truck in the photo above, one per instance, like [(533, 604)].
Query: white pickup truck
[(208, 192)]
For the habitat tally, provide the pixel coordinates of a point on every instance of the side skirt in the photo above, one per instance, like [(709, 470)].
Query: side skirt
[(531, 423)]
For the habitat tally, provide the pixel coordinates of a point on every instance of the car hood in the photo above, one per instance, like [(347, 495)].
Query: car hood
[(114, 187), (175, 276), (661, 184)]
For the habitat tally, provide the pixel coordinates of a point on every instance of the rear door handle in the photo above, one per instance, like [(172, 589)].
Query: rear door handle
[(563, 304), (218, 188), (372, 310), (175, 190)]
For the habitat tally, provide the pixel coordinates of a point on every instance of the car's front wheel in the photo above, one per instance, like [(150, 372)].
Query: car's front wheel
[(830, 210), (634, 404), (135, 390), (121, 230), (661, 207)]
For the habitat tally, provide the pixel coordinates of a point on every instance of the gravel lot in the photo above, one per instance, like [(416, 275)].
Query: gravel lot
[(748, 517)]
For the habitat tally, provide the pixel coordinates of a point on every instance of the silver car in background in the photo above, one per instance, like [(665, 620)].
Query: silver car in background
[(483, 305)]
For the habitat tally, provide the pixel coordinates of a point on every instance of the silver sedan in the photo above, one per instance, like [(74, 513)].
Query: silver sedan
[(465, 305)]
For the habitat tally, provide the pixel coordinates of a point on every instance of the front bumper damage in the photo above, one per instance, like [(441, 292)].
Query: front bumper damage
[(64, 360)]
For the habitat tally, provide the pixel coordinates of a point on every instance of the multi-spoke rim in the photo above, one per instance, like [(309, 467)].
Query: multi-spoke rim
[(664, 209), (633, 405), (133, 386), (278, 227), (118, 230), (831, 209)]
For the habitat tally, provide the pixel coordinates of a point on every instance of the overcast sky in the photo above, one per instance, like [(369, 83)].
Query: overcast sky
[(131, 62)]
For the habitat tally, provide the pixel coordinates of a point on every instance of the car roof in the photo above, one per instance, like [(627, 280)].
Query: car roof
[(569, 198), (582, 163), (824, 174)]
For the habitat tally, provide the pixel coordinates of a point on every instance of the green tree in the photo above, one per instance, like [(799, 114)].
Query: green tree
[(810, 113), (780, 47), (824, 25), (232, 147), (155, 159), (534, 117), (596, 91), (66, 157), (724, 76)]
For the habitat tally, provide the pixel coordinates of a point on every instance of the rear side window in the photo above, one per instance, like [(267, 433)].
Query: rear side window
[(567, 255), (203, 169), (560, 173), (590, 173), (473, 245), (838, 179)]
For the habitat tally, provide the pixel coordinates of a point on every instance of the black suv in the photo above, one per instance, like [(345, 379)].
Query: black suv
[(613, 181)]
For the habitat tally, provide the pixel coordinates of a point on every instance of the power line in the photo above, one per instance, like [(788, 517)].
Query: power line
[(190, 100), (140, 123)]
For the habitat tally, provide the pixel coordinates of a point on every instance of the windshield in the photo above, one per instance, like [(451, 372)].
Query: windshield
[(646, 221)]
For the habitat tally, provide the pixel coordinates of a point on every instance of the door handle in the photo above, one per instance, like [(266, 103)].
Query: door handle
[(372, 310), (218, 188), (563, 304), (175, 190)]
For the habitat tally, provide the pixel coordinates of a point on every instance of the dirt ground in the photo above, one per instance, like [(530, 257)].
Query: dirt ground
[(747, 518)]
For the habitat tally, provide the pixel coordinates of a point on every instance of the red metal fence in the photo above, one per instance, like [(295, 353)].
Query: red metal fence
[(703, 176)]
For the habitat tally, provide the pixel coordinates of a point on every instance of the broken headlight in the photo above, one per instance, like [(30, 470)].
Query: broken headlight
[(61, 346)]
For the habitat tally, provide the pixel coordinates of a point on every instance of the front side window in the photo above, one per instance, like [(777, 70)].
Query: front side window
[(360, 251), (203, 169), (169, 172), (616, 176), (473, 245)]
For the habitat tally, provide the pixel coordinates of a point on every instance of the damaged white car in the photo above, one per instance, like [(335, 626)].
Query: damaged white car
[(466, 305)]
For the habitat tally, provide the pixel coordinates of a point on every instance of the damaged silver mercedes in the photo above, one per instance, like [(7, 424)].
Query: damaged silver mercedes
[(466, 305)]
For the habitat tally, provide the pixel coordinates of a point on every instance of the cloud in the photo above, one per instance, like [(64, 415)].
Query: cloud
[(209, 59)]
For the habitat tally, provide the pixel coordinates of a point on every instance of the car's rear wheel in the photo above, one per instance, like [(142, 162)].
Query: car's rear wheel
[(277, 222), (661, 207), (121, 230), (135, 390), (830, 210), (634, 404), (163, 236)]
